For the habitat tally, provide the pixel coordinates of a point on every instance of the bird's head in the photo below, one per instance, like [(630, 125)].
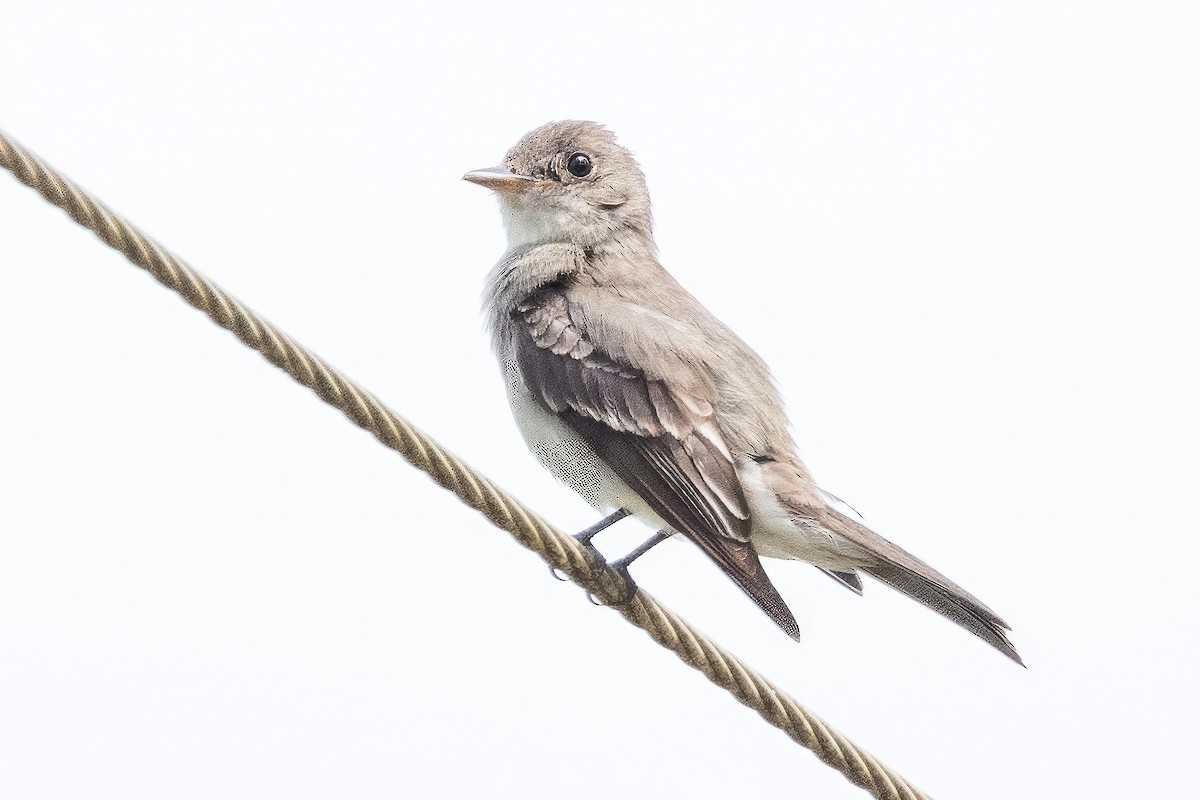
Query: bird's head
[(569, 182)]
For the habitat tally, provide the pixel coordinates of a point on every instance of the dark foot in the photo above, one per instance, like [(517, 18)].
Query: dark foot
[(585, 536), (621, 565)]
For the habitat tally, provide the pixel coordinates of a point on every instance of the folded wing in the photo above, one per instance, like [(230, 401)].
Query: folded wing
[(660, 439)]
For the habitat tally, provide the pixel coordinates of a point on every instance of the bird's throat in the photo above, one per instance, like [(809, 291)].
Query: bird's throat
[(528, 226)]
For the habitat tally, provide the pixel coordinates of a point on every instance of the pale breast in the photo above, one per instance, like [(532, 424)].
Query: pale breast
[(568, 457)]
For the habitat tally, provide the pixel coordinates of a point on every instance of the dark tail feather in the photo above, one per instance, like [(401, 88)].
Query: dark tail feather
[(908, 574), (959, 609), (848, 579)]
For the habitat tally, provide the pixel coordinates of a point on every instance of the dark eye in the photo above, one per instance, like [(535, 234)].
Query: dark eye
[(579, 165)]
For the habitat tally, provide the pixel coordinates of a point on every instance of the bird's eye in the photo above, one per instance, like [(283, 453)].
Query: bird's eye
[(579, 165)]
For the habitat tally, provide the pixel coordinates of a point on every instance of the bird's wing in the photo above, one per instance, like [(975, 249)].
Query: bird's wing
[(661, 439)]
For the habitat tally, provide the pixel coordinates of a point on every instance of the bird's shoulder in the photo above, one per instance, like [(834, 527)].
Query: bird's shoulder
[(579, 351), (626, 331)]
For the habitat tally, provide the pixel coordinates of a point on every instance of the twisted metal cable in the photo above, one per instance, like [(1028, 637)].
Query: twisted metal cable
[(563, 553)]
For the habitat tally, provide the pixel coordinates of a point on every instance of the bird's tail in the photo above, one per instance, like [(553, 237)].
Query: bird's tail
[(908, 574)]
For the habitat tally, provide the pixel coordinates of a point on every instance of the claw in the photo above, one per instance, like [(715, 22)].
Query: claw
[(621, 566), (623, 571)]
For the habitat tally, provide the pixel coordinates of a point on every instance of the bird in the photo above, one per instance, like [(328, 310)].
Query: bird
[(630, 391)]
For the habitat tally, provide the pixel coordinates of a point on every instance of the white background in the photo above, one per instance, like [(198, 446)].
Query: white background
[(963, 235)]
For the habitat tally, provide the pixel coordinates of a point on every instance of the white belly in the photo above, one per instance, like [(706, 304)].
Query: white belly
[(568, 457)]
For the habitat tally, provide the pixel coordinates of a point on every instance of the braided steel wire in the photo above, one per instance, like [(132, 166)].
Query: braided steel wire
[(580, 563)]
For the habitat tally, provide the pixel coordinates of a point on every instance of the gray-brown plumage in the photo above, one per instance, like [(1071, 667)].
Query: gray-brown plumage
[(634, 394)]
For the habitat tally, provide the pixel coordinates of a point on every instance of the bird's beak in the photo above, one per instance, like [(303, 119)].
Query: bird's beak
[(499, 179)]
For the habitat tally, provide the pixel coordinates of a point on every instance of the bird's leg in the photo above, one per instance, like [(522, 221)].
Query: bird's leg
[(621, 565), (586, 535)]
